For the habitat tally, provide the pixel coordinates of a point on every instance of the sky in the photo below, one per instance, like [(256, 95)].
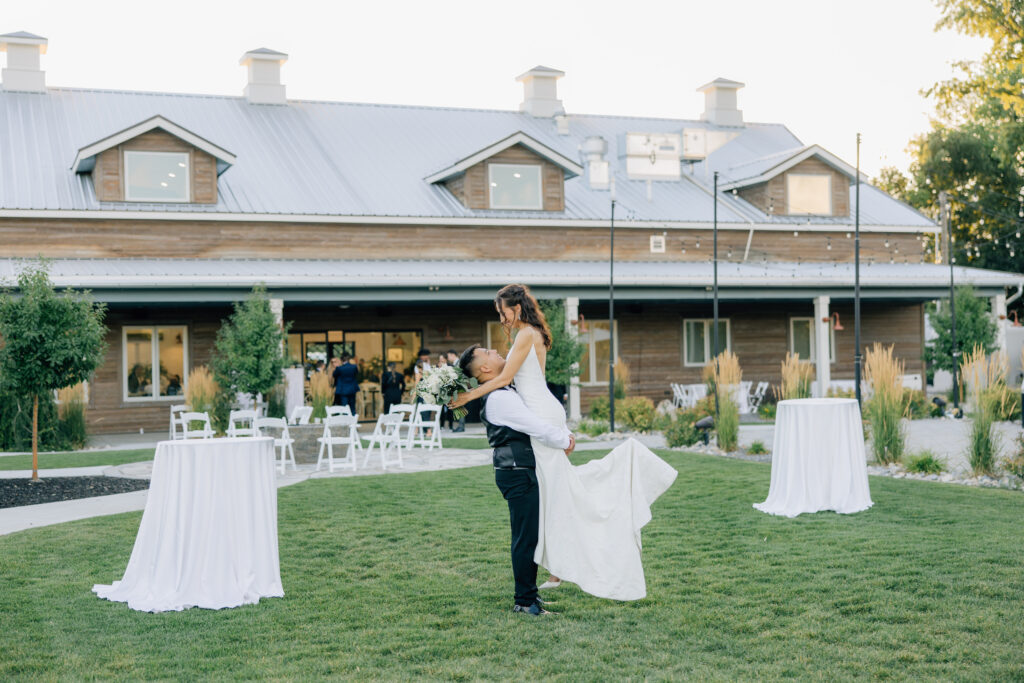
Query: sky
[(826, 69)]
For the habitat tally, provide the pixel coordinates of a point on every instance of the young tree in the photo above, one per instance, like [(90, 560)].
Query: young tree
[(974, 327), (50, 341), (249, 351), (565, 353)]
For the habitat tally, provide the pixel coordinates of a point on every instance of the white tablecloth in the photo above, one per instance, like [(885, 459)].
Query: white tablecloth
[(818, 458), (208, 536)]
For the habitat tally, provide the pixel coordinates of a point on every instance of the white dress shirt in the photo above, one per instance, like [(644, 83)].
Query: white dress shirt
[(506, 408)]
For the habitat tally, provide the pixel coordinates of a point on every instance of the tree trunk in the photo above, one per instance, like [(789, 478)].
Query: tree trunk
[(35, 438)]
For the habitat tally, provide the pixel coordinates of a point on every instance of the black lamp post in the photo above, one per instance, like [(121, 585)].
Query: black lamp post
[(714, 286), (946, 224), (858, 357), (611, 314)]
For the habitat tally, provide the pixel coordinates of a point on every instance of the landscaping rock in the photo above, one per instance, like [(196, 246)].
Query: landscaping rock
[(16, 492)]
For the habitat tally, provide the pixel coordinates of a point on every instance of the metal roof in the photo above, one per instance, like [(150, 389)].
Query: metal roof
[(336, 159), (656, 279)]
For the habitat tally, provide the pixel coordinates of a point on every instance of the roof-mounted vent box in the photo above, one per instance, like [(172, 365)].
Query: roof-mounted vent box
[(653, 156)]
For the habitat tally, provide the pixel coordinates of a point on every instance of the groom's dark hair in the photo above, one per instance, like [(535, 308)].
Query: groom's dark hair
[(466, 360)]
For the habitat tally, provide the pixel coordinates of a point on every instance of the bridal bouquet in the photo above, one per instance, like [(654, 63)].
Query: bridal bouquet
[(440, 385)]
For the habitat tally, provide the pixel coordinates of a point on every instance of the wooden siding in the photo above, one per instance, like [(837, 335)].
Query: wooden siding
[(108, 174), (211, 239), (771, 196), (650, 341), (470, 188)]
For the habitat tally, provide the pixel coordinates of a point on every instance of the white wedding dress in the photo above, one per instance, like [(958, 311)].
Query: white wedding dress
[(591, 515)]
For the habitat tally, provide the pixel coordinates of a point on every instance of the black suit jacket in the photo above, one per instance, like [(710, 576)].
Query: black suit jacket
[(392, 384)]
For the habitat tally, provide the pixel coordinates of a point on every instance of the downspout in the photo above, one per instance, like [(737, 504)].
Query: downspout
[(1013, 297)]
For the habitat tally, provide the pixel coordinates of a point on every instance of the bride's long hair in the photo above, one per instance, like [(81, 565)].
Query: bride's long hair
[(530, 311)]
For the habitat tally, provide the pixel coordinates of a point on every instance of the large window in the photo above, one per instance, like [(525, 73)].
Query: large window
[(156, 176), (809, 194), (596, 340), (802, 340), (155, 361), (515, 186), (698, 340)]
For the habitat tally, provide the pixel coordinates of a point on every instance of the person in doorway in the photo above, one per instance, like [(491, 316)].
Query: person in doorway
[(392, 386), (345, 383)]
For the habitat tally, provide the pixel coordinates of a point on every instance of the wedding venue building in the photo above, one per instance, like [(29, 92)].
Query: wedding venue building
[(378, 229)]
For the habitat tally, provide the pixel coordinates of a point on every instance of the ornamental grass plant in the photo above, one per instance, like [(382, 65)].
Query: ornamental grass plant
[(985, 379), (727, 375), (202, 390), (71, 411), (320, 393), (884, 410), (796, 377)]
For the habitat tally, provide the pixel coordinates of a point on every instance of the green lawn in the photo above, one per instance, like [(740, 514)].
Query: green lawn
[(407, 576), (76, 459)]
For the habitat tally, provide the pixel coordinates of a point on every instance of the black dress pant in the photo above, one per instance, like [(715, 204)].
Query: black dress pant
[(519, 487), (346, 400)]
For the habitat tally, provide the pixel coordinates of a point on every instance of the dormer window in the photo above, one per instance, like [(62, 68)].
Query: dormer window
[(808, 194), (515, 186), (156, 176)]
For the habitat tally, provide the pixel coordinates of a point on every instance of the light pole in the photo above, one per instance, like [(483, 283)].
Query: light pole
[(611, 313), (858, 357), (946, 224), (714, 286)]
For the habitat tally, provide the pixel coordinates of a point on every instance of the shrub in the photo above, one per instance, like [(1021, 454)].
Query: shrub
[(72, 415), (681, 433), (767, 411), (837, 392), (985, 375), (757, 448), (796, 377), (276, 401), (1015, 463), (1007, 402), (703, 408), (621, 379), (202, 390), (16, 423), (915, 404), (662, 422), (727, 375), (592, 427), (925, 462), (599, 408), (884, 409), (637, 413), (321, 393)]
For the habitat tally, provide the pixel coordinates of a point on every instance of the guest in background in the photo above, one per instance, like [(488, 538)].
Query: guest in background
[(392, 385), (173, 386), (453, 360), (423, 363), (345, 383)]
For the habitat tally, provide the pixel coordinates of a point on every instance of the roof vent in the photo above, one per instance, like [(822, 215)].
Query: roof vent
[(23, 72), (264, 85), (598, 171), (720, 102), (653, 156), (540, 92)]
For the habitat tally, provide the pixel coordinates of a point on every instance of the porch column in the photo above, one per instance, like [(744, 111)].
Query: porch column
[(822, 330), (572, 315), (998, 306), (277, 308)]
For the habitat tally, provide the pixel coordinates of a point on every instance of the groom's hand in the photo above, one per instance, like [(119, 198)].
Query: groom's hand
[(572, 445)]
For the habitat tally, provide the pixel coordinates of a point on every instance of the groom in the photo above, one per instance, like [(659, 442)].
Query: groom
[(510, 424)]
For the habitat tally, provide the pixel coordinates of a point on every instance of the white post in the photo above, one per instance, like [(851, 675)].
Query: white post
[(572, 315), (998, 305), (822, 335)]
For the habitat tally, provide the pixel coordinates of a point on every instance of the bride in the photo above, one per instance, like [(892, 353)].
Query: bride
[(590, 514)]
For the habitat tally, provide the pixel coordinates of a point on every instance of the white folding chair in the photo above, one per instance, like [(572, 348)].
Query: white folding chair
[(333, 411), (386, 435), (757, 397), (301, 415), (680, 396), (282, 440), (176, 412), (242, 423), (205, 431), (427, 418), (339, 430), (406, 410)]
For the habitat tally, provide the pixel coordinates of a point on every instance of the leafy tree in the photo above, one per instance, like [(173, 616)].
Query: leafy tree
[(973, 151), (564, 356), (50, 341), (974, 327), (249, 352)]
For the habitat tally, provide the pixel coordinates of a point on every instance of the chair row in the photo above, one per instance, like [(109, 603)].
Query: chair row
[(747, 396)]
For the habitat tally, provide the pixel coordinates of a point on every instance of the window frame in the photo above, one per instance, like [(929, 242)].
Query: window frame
[(708, 335), (814, 345), (161, 200), (540, 187), (154, 363), (831, 202), (592, 357)]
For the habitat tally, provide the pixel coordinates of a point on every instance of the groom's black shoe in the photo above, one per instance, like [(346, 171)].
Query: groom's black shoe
[(534, 610)]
